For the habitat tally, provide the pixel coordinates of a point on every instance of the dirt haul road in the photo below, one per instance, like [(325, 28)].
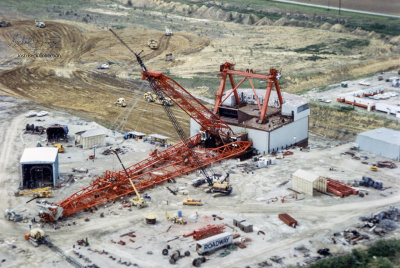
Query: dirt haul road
[(56, 66)]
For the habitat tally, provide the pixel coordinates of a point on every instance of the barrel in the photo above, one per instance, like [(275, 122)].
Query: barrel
[(179, 213)]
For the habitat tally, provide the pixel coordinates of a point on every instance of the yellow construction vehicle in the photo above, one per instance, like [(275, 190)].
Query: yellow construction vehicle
[(153, 44), (220, 186), (192, 202), (36, 237), (39, 192), (175, 219), (151, 97), (374, 168), (60, 147), (138, 201)]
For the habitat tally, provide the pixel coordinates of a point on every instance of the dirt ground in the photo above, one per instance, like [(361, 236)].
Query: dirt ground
[(254, 189), (57, 65), (67, 82)]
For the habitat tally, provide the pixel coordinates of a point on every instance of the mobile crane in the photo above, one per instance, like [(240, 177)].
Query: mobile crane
[(215, 143), (138, 201)]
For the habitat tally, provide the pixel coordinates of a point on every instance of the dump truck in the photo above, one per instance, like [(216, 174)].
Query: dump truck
[(40, 24), (153, 44), (151, 97), (120, 102), (104, 66), (213, 243), (168, 32)]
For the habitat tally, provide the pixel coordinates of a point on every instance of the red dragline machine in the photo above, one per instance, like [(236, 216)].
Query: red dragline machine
[(215, 143)]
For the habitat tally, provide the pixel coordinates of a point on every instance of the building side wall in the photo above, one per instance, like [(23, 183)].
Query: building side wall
[(258, 137), (55, 172), (281, 137), (379, 147), (90, 142), (302, 185), (320, 184), (284, 136)]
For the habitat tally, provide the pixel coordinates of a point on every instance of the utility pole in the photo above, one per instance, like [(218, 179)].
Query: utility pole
[(340, 5)]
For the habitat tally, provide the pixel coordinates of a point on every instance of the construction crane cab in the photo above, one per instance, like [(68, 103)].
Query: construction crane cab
[(36, 237), (139, 201)]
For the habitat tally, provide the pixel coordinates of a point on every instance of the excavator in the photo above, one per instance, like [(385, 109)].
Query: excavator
[(138, 201), (214, 143), (151, 97)]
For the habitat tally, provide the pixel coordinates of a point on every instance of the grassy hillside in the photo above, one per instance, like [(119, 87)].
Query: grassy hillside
[(343, 123)]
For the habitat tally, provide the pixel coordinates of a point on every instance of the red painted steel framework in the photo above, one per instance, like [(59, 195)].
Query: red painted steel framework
[(227, 70), (160, 166)]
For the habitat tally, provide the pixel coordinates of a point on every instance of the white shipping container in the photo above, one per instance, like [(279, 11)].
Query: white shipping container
[(383, 107), (214, 242), (364, 101)]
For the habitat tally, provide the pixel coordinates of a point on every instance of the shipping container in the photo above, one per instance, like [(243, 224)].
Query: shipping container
[(214, 242), (286, 218)]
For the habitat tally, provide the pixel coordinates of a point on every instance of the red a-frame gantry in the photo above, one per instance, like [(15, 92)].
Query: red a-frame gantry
[(227, 70)]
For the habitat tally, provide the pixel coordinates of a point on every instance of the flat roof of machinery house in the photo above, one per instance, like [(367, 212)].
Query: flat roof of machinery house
[(158, 136), (136, 133), (39, 155), (306, 175), (383, 134), (90, 133)]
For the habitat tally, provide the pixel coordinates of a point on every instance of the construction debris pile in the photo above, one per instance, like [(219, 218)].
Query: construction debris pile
[(383, 222)]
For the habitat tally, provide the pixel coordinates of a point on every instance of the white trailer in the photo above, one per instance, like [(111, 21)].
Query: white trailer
[(214, 242)]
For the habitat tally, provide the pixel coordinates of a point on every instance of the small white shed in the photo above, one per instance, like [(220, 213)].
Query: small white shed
[(90, 138), (305, 182)]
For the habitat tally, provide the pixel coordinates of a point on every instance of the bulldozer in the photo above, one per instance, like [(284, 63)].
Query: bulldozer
[(138, 201), (120, 102), (151, 97), (175, 219), (60, 147), (153, 44), (39, 192), (36, 237)]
